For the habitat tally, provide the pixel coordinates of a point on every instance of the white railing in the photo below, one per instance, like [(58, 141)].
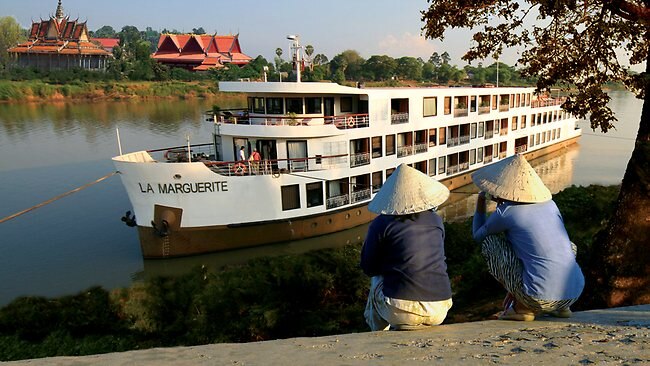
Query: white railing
[(396, 118), (453, 141), (359, 159), (489, 134), (484, 110), (420, 148), (464, 139), (463, 166), (452, 169), (404, 150), (487, 159), (460, 112), (504, 107), (337, 201), (361, 195), (521, 148)]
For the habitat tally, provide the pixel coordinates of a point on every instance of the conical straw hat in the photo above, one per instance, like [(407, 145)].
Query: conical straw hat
[(512, 179), (408, 191)]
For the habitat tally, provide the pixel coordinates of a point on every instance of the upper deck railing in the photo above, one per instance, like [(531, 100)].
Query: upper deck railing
[(345, 121), (547, 102)]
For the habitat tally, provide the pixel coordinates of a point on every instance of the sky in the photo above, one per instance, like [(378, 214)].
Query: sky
[(371, 27)]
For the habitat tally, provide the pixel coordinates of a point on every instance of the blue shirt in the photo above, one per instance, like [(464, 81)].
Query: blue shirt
[(410, 255), (539, 239)]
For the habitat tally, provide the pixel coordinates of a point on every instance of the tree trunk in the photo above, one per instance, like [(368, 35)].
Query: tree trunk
[(618, 271)]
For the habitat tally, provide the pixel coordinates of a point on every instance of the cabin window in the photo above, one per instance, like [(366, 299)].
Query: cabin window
[(274, 106), (314, 194), (531, 140), (472, 103), (558, 132), (376, 147), (494, 102), (472, 130), (432, 167), (432, 137), (472, 157), (441, 165), (390, 145), (376, 181), (297, 154), (514, 122), (430, 107), (294, 105), (523, 122), (290, 197), (256, 105), (313, 105), (389, 172), (479, 155), (346, 104), (447, 105), (481, 129), (441, 136)]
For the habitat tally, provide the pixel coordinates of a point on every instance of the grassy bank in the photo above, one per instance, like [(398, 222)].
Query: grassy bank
[(39, 91), (318, 293)]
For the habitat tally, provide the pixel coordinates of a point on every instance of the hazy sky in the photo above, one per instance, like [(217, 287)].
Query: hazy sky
[(371, 27)]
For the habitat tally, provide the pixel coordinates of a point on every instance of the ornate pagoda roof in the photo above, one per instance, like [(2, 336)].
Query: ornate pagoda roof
[(61, 35), (200, 52)]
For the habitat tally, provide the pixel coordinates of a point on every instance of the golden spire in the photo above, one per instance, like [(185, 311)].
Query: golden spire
[(59, 11)]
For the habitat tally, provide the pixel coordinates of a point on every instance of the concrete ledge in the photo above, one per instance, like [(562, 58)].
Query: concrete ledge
[(609, 336)]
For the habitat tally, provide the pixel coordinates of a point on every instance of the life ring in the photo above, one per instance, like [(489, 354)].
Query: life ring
[(239, 169), (350, 122)]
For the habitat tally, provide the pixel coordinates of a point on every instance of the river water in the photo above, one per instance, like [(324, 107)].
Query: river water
[(79, 241)]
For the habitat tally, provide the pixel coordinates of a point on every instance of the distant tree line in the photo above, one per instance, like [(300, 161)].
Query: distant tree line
[(132, 61)]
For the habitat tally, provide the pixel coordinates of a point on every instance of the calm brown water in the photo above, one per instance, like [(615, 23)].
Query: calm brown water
[(79, 241)]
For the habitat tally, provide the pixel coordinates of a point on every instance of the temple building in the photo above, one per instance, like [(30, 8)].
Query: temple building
[(200, 52), (60, 43)]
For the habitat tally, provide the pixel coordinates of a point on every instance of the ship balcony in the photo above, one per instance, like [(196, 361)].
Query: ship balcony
[(502, 155), (398, 118), (521, 149), (547, 102), (452, 169), (361, 195), (342, 122), (504, 108), (359, 159), (453, 141), (487, 159), (420, 148), (489, 134), (276, 166), (464, 139), (484, 110), (337, 201), (461, 112), (404, 151)]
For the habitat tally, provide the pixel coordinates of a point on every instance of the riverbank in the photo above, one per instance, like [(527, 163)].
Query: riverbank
[(36, 91), (619, 335)]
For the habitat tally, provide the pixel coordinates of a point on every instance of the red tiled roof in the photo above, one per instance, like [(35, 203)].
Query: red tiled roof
[(205, 51), (107, 42)]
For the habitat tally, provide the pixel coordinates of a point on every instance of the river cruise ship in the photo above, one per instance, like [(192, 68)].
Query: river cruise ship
[(324, 150)]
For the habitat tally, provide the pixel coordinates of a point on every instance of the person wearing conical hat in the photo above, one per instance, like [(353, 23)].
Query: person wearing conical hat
[(404, 255), (534, 259)]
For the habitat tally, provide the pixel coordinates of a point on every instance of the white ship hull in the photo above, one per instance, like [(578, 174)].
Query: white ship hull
[(321, 167)]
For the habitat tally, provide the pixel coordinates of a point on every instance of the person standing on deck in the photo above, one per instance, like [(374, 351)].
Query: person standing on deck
[(534, 260), (242, 154), (404, 254)]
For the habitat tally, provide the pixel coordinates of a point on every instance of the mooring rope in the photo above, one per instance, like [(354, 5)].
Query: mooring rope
[(56, 198)]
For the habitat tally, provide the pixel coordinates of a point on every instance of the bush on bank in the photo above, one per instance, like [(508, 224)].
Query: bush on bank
[(314, 294)]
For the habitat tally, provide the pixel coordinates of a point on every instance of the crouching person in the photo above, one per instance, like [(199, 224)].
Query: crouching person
[(524, 242), (404, 255)]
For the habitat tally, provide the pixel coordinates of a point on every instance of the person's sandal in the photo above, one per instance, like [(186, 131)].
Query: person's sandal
[(561, 313), (511, 314)]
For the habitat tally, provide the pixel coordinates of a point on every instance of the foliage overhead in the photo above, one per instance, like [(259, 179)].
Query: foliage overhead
[(572, 43)]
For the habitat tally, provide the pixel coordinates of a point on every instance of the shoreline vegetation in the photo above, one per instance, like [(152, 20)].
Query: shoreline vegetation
[(318, 293), (38, 91)]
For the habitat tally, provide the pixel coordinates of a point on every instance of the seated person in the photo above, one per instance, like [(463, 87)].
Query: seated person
[(534, 260), (404, 254)]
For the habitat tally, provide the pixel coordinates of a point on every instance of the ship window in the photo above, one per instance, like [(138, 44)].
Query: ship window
[(256, 105), (432, 137), (447, 105), (479, 155), (558, 132), (376, 181), (494, 102), (314, 194), (441, 165), (274, 106), (441, 136), (532, 140), (432, 167), (514, 123), (481, 129), (313, 105), (430, 107), (390, 145), (376, 147), (389, 172), (472, 157), (346, 104), (290, 197), (294, 105), (472, 130), (472, 103), (523, 122)]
